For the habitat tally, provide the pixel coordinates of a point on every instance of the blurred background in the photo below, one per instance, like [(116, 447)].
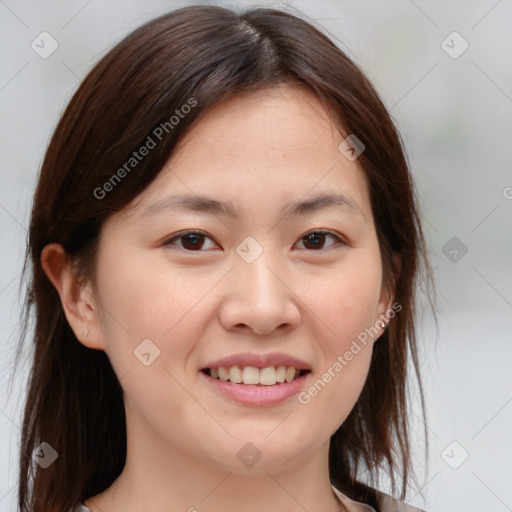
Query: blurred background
[(444, 70)]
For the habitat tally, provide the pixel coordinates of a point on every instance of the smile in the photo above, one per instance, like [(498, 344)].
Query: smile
[(252, 375)]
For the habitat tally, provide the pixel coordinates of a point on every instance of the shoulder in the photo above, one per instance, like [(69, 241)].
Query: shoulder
[(386, 504), (389, 504), (80, 508)]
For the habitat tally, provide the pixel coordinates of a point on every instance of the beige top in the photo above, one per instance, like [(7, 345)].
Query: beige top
[(388, 504)]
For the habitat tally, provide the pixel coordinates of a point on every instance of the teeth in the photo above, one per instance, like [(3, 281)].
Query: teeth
[(223, 373), (281, 373), (235, 374), (252, 375), (268, 376)]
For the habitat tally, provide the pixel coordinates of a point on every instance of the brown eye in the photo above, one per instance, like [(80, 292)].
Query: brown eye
[(192, 241), (316, 239)]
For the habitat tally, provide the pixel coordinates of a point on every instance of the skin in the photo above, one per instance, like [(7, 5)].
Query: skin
[(258, 151)]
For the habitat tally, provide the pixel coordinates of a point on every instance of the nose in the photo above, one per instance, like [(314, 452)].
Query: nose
[(259, 298)]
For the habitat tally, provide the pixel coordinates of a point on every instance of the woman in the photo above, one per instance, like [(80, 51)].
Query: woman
[(224, 248)]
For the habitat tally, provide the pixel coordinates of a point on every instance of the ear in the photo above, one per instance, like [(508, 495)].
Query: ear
[(386, 311), (76, 296)]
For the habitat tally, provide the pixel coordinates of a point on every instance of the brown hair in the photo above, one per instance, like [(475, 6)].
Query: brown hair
[(74, 400)]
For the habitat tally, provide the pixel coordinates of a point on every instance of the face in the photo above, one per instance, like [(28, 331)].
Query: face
[(264, 282)]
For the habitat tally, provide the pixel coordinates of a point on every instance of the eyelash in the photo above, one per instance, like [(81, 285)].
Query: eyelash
[(183, 234)]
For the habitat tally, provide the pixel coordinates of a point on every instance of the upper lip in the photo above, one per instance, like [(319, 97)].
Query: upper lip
[(259, 361)]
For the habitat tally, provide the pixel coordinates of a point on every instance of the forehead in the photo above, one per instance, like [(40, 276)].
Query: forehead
[(268, 120), (270, 147)]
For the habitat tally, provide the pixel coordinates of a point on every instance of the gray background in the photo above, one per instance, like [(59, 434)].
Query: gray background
[(455, 117)]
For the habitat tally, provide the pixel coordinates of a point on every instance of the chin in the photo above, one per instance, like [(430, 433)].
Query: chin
[(258, 453)]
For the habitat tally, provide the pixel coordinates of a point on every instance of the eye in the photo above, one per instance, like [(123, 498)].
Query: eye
[(192, 240), (316, 239)]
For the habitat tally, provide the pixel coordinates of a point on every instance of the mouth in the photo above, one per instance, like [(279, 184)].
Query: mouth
[(255, 376), (258, 380)]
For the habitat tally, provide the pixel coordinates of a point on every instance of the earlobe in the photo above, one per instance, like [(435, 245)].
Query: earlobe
[(76, 297)]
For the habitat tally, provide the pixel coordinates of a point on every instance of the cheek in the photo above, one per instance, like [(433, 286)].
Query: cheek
[(141, 302), (139, 294), (348, 301), (347, 305)]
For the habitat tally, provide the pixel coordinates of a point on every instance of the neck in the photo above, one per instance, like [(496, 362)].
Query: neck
[(160, 480)]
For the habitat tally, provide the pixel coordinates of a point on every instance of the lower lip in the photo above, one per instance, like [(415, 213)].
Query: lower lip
[(257, 395)]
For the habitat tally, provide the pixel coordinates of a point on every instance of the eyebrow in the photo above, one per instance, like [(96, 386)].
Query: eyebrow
[(226, 208)]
